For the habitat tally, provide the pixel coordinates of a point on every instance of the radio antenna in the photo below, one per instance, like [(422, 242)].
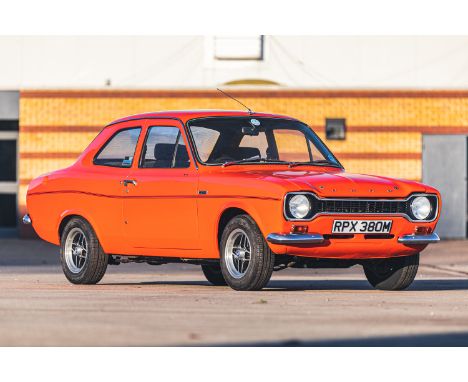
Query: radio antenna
[(235, 99)]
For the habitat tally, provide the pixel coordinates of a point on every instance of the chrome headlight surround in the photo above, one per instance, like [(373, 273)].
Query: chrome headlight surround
[(299, 206), (422, 207)]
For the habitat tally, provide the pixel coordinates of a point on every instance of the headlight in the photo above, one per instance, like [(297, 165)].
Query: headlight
[(421, 207), (299, 206)]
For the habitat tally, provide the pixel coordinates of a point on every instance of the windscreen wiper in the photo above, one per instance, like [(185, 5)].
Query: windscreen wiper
[(320, 162), (255, 159)]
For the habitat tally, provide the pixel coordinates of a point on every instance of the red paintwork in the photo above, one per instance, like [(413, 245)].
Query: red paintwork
[(165, 216)]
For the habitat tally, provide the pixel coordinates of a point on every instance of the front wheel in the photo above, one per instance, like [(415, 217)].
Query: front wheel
[(83, 260), (246, 260), (395, 273)]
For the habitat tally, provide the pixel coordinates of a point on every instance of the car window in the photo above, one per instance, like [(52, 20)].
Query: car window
[(209, 138), (222, 140), (292, 146), (119, 150), (259, 144), (164, 148)]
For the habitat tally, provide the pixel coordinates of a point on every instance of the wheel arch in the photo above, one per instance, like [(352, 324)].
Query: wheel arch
[(229, 212), (69, 215)]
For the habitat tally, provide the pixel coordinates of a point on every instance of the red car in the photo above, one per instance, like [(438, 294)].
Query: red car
[(241, 194)]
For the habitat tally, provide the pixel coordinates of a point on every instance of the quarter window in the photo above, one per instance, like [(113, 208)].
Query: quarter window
[(120, 149), (164, 148)]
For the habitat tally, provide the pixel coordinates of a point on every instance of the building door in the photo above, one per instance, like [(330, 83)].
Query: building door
[(445, 166), (9, 115)]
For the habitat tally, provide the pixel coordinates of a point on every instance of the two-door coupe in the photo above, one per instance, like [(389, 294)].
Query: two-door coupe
[(240, 193)]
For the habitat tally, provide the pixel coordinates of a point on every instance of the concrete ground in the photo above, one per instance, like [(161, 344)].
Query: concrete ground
[(139, 304)]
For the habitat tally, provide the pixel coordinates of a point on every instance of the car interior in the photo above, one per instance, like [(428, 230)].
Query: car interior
[(164, 157)]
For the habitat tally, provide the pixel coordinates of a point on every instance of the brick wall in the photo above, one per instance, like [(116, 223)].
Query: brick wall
[(384, 127)]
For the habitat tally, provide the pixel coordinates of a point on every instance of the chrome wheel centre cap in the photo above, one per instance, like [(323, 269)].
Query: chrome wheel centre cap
[(239, 254), (76, 250)]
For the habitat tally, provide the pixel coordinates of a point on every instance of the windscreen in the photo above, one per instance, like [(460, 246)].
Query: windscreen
[(223, 140)]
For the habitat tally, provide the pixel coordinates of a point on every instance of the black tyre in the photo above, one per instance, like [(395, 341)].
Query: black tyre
[(392, 274), (213, 274), (246, 260), (83, 260)]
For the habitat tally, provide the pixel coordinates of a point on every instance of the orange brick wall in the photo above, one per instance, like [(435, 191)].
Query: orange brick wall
[(384, 128)]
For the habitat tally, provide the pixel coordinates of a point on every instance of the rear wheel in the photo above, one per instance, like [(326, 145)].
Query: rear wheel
[(246, 260), (213, 274), (395, 273), (83, 260)]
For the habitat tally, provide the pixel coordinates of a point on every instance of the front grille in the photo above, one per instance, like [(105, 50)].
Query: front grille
[(360, 206)]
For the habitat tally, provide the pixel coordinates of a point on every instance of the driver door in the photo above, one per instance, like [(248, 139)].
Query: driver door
[(160, 207)]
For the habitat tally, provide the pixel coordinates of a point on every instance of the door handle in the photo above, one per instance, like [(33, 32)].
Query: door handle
[(126, 182)]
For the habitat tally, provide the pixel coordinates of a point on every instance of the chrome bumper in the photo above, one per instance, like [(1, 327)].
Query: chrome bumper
[(419, 239), (315, 238), (303, 238), (27, 219)]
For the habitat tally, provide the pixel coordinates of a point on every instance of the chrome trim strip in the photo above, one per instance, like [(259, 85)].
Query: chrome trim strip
[(292, 238), (27, 219), (359, 200), (419, 239)]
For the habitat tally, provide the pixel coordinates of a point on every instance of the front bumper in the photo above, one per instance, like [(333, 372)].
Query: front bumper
[(352, 246), (288, 239), (315, 238), (419, 239)]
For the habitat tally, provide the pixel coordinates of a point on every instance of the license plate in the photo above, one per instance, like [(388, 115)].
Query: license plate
[(362, 226)]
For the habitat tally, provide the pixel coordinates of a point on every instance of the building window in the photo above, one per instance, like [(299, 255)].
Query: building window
[(8, 208), (238, 47), (335, 128), (7, 160), (9, 125)]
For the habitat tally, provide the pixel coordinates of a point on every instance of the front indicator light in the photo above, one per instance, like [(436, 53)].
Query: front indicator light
[(422, 230), (299, 229)]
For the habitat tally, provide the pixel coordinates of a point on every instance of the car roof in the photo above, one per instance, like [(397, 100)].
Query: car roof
[(185, 115)]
